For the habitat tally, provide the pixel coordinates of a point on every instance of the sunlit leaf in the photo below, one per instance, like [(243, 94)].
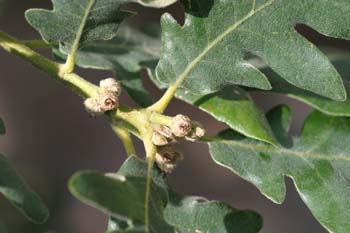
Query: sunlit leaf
[(207, 53), (318, 162)]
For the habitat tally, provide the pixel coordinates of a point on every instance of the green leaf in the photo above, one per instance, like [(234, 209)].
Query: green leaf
[(208, 52), (122, 197), (126, 54), (132, 50), (74, 24), (2, 127), (318, 163), (195, 214), (340, 60), (18, 193), (234, 107)]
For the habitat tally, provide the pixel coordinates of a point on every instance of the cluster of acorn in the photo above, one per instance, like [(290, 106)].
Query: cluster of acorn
[(106, 98), (164, 137)]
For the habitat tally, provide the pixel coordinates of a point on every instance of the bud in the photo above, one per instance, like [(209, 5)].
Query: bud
[(197, 132), (111, 85), (180, 125), (167, 158)]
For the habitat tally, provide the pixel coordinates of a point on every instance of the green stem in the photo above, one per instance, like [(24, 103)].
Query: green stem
[(74, 81), (151, 151), (125, 137), (160, 119), (130, 119), (37, 44), (163, 102)]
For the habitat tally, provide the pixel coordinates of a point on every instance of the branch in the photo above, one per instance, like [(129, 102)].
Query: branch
[(151, 151), (72, 80), (37, 44), (163, 102), (125, 137), (160, 119)]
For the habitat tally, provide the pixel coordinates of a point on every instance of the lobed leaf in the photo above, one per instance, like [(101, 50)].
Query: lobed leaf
[(19, 194), (195, 214), (340, 60), (78, 22), (122, 197), (205, 57), (317, 162), (131, 50)]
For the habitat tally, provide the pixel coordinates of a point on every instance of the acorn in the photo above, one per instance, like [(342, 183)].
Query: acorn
[(180, 125)]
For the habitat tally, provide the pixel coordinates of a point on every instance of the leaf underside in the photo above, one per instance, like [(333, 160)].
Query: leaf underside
[(317, 161), (206, 57), (122, 196)]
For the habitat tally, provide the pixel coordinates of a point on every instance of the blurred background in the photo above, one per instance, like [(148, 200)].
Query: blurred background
[(50, 137)]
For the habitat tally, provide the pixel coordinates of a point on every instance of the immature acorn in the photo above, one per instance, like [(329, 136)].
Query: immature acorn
[(197, 132), (106, 98), (111, 85), (167, 158), (180, 125), (162, 136)]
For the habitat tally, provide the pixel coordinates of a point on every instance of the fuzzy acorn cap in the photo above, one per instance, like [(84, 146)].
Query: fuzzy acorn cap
[(167, 158), (159, 139), (112, 85), (197, 131), (180, 125), (101, 102), (162, 136)]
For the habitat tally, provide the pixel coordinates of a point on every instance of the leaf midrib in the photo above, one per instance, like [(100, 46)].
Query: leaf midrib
[(80, 32), (288, 152), (215, 42)]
